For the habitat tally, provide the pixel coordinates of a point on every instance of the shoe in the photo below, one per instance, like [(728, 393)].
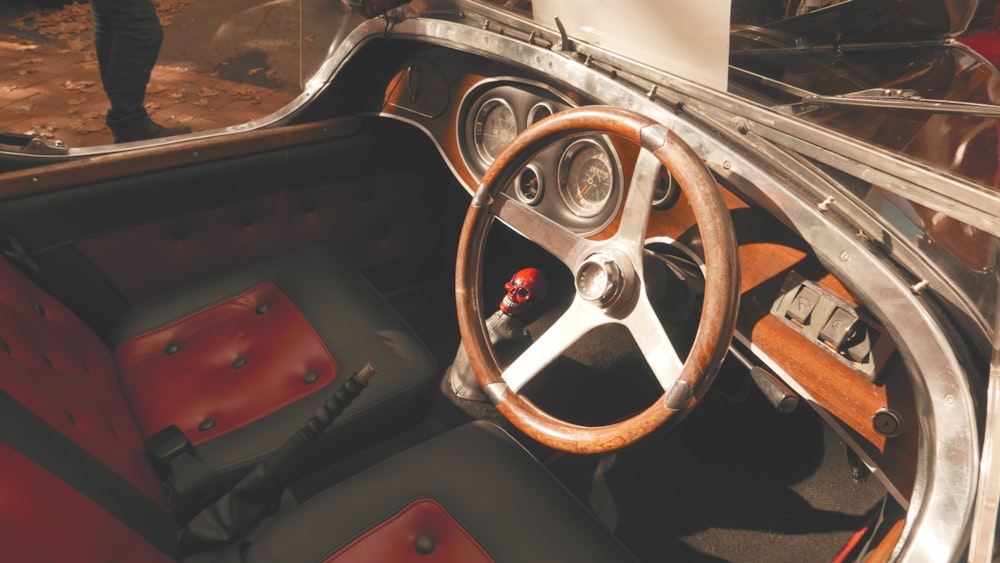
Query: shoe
[(148, 130)]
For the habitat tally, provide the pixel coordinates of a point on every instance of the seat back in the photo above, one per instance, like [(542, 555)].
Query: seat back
[(76, 483)]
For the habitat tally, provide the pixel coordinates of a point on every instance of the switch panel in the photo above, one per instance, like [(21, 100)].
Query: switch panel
[(838, 327)]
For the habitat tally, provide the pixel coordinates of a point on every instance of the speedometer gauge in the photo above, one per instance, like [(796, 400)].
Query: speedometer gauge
[(586, 177), (493, 128)]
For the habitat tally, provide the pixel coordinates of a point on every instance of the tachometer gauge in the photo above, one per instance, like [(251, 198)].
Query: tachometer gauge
[(493, 128), (586, 177)]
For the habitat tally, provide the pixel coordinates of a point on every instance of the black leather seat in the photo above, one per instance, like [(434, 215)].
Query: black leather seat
[(76, 483), (241, 360), (471, 494)]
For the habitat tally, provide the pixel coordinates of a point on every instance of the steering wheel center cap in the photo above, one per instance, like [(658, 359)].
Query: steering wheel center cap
[(599, 279)]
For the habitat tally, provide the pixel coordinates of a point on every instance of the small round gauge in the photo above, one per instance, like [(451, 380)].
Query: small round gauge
[(529, 185), (586, 177), (539, 112), (667, 191), (493, 128)]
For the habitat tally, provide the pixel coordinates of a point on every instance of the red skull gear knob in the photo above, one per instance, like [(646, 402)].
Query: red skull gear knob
[(527, 287)]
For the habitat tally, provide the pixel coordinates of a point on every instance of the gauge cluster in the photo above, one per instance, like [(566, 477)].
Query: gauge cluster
[(576, 181)]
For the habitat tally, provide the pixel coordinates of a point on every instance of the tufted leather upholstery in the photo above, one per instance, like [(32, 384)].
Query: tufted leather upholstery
[(54, 365), (75, 484), (247, 357), (372, 221), (240, 383)]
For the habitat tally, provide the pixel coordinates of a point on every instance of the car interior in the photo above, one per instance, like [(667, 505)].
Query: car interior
[(174, 314)]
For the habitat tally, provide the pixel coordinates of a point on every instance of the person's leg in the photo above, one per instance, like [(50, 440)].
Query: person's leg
[(128, 36), (103, 35)]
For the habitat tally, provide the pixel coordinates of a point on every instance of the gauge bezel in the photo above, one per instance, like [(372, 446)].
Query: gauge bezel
[(530, 200), (566, 160), (535, 109), (477, 132), (672, 193)]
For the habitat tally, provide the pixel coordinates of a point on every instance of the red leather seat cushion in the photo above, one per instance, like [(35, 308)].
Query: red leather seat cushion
[(42, 518), (224, 366), (398, 539), (53, 364)]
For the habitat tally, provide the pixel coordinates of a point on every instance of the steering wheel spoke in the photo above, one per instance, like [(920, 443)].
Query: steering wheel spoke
[(654, 343), (579, 319), (638, 202), (559, 241)]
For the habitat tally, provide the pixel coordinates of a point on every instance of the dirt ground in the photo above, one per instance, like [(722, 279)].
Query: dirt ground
[(223, 62)]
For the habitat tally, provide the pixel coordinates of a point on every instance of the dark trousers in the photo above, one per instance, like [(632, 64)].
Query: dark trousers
[(127, 36)]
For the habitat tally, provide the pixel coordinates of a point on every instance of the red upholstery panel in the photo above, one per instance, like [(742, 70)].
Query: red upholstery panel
[(44, 519), (372, 221), (54, 365), (422, 532), (224, 367)]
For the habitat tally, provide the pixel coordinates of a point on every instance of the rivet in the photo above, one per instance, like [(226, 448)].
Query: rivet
[(262, 308), (39, 309), (206, 425), (172, 348), (310, 378), (4, 346), (239, 362), (425, 544), (246, 219)]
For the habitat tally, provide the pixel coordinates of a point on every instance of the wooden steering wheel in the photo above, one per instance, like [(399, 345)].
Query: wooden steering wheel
[(608, 276)]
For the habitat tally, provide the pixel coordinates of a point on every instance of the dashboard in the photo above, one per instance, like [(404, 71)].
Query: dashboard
[(577, 182)]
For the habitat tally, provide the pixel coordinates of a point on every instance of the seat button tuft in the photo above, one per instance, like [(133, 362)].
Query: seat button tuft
[(172, 348), (4, 346), (39, 309), (47, 360), (206, 425), (262, 308), (239, 362), (246, 219), (310, 378), (178, 233), (308, 206), (425, 544), (70, 417)]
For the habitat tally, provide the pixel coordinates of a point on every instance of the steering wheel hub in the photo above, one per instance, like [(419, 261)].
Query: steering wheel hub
[(599, 279)]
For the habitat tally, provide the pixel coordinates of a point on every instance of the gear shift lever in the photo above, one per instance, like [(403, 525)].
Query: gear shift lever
[(506, 330)]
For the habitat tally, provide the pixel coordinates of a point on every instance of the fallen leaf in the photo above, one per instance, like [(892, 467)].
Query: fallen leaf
[(78, 85)]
